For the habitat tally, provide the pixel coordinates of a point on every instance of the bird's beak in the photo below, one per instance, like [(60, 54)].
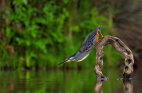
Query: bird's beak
[(62, 62)]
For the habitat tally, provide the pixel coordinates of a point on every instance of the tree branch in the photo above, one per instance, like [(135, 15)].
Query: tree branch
[(119, 47)]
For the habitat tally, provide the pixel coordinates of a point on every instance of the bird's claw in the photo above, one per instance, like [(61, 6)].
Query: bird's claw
[(98, 41)]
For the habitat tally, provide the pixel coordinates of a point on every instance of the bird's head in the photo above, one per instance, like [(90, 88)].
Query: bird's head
[(69, 59)]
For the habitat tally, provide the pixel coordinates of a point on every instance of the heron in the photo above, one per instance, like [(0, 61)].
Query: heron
[(86, 47)]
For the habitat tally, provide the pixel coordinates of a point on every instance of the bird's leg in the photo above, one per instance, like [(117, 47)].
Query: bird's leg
[(97, 38), (100, 33)]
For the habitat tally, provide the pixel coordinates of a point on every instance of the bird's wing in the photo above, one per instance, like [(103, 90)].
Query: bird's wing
[(89, 42), (88, 45)]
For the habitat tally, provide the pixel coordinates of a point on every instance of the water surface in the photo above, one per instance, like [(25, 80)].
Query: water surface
[(68, 81)]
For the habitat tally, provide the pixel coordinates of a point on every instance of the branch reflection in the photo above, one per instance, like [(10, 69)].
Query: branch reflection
[(98, 86), (127, 86)]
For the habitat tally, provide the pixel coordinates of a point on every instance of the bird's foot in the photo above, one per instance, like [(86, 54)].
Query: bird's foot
[(98, 41)]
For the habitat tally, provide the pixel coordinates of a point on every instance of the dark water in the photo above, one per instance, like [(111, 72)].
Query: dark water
[(68, 81)]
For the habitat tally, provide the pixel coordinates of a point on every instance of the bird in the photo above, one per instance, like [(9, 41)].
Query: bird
[(86, 47)]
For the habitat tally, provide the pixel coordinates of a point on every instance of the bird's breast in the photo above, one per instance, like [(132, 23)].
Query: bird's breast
[(82, 56)]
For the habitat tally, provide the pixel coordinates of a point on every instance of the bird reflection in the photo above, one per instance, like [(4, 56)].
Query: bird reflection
[(98, 85), (127, 86)]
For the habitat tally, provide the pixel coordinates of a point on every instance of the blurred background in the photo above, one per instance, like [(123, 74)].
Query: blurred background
[(36, 35), (39, 34)]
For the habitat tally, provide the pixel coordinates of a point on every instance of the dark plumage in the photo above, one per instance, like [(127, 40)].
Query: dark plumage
[(89, 42)]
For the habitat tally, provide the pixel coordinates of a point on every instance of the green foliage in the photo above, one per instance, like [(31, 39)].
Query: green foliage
[(42, 35)]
